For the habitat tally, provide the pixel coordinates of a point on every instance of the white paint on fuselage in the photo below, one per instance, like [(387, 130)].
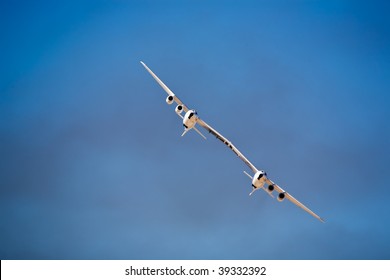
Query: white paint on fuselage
[(259, 179), (190, 119)]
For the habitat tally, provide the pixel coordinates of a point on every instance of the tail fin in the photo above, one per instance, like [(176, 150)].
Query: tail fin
[(246, 173), (185, 131), (188, 129), (204, 137)]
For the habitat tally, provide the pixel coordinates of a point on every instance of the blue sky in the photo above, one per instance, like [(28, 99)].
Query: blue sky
[(92, 162)]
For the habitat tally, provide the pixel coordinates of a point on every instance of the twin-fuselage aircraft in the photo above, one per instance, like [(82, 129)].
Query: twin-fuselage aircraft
[(260, 179)]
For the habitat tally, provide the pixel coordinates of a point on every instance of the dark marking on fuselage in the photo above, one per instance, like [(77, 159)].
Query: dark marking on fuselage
[(227, 143)]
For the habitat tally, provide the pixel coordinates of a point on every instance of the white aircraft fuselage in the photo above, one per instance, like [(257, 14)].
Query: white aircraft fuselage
[(190, 118)]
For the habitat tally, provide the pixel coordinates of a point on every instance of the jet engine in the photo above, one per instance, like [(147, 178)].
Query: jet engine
[(169, 99), (281, 196), (179, 109), (270, 188)]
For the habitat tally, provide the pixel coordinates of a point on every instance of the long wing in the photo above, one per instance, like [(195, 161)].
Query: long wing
[(227, 143), (294, 200), (254, 169), (201, 122), (175, 98), (230, 145)]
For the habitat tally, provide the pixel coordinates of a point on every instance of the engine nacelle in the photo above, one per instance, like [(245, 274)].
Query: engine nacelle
[(270, 188), (169, 99), (179, 109), (281, 196)]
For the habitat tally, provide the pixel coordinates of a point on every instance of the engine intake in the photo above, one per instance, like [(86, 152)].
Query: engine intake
[(169, 99), (270, 188), (179, 109), (281, 196)]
